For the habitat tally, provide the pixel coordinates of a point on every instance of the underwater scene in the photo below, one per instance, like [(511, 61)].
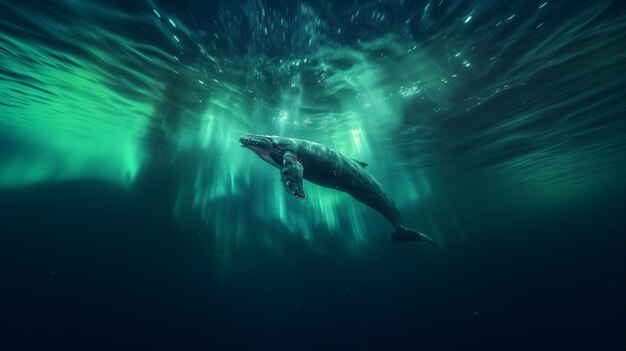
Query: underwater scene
[(312, 175)]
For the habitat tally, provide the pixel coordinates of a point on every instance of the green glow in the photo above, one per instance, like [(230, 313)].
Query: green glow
[(428, 118), (228, 171), (75, 125)]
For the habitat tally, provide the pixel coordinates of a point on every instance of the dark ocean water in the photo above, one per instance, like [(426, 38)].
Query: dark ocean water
[(130, 218)]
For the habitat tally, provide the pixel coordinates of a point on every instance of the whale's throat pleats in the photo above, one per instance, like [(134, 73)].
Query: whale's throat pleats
[(270, 155)]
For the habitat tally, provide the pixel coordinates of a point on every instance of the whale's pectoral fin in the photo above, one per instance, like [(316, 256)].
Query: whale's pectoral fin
[(291, 175)]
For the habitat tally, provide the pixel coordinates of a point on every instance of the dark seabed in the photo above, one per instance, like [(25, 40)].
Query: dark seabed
[(130, 218)]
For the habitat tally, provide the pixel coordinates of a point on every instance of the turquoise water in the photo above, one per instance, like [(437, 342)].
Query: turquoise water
[(497, 127)]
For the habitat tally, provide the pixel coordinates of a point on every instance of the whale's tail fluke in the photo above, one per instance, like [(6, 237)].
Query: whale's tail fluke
[(406, 234)]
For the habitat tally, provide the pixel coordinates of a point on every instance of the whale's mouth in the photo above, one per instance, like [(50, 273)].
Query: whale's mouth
[(264, 153), (262, 146), (254, 142), (245, 142)]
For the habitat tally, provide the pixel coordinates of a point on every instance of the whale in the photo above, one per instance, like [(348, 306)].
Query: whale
[(300, 160)]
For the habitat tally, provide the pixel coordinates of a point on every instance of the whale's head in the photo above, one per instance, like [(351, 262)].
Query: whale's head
[(270, 148)]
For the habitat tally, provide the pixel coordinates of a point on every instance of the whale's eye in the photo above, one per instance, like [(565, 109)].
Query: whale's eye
[(274, 144)]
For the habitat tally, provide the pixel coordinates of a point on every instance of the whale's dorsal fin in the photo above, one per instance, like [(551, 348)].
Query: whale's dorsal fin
[(363, 164), (291, 175)]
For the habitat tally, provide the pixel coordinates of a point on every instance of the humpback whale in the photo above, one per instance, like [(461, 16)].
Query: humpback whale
[(302, 159)]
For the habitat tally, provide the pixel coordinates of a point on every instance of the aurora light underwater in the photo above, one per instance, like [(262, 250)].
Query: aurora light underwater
[(488, 122)]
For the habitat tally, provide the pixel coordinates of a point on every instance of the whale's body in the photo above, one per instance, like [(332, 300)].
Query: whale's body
[(303, 159)]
